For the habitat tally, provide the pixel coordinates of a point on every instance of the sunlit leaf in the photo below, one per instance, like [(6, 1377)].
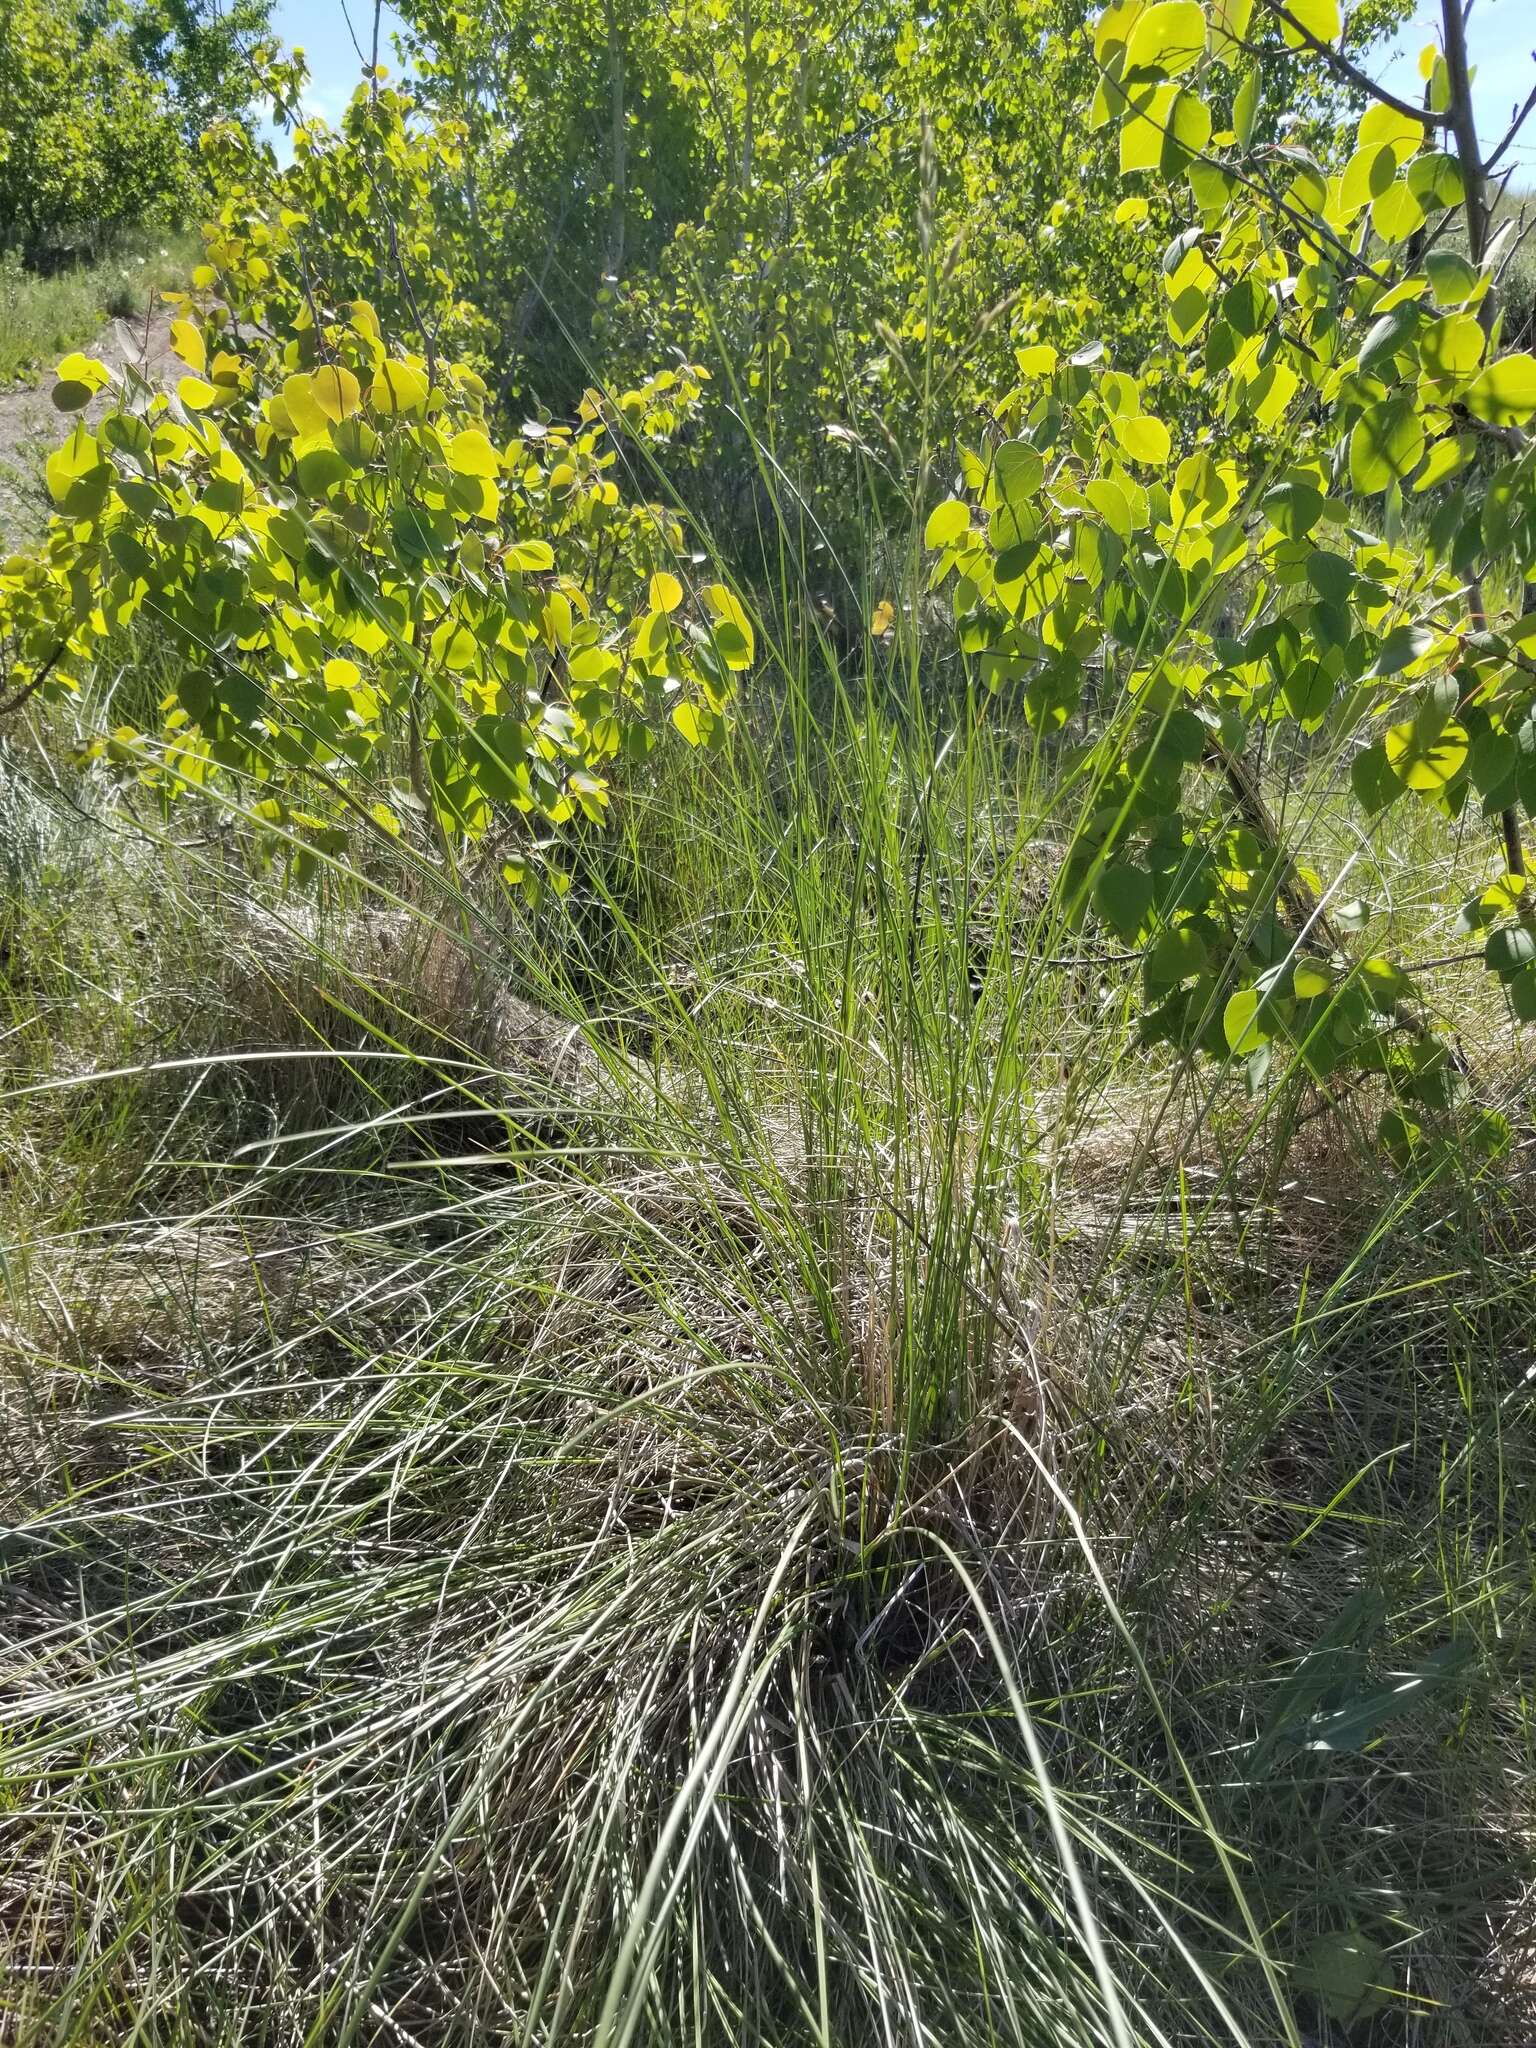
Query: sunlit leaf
[(946, 523), (397, 387), (1319, 18), (1425, 762), (470, 453), (531, 556), (1505, 393), (1167, 38), (1240, 1021)]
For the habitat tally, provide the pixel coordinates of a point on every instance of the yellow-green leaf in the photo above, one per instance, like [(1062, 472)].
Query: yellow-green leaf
[(1240, 1022), (1452, 347), (1114, 25), (77, 381), (1383, 125), (1365, 177), (690, 723), (1387, 443), (1168, 38), (1143, 438), (1423, 762), (1319, 17), (1229, 22), (1445, 459), (531, 555), (1505, 393), (336, 392), (946, 523), (342, 674), (1144, 131), (470, 453), (1396, 214), (198, 395), (187, 340), (733, 629), (398, 388), (65, 466), (1452, 278), (666, 592), (455, 646), (302, 404)]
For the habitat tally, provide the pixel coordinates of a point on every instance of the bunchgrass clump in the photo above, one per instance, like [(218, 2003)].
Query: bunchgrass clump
[(721, 1457)]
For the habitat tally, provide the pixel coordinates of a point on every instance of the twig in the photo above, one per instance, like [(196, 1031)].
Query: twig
[(31, 687), (1514, 128), (1346, 69), (1445, 960)]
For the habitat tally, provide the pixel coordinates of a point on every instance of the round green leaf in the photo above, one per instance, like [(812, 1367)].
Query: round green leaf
[(1319, 17), (1505, 393), (1122, 896), (1510, 951), (1396, 214), (1240, 1023), (1372, 780), (1018, 472), (1452, 278), (1387, 444), (1293, 508), (1435, 179), (1345, 1970), (1168, 38), (1144, 439), (1452, 347), (470, 454), (947, 523), (1308, 691), (531, 555), (1424, 762), (1178, 955)]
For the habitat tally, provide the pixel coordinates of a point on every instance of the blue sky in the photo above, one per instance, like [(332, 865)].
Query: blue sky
[(1501, 35), (320, 28)]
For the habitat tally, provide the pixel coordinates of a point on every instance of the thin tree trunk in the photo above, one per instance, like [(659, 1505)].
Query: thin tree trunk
[(618, 146), (747, 32), (1475, 206)]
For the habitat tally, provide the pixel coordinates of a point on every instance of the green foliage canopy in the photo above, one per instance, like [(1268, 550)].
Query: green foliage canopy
[(100, 107), (1317, 544), (364, 584)]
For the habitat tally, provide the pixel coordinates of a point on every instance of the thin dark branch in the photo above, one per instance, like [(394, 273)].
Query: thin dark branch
[(1445, 960), (1514, 127), (1513, 251), (31, 687)]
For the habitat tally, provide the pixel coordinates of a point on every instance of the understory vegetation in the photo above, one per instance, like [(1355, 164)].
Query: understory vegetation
[(43, 316), (766, 1129)]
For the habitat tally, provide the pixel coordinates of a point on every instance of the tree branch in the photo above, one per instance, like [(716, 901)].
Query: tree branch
[(1514, 128), (31, 687), (1344, 68)]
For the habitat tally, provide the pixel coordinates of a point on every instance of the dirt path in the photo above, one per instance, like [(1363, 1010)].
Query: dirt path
[(30, 424)]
